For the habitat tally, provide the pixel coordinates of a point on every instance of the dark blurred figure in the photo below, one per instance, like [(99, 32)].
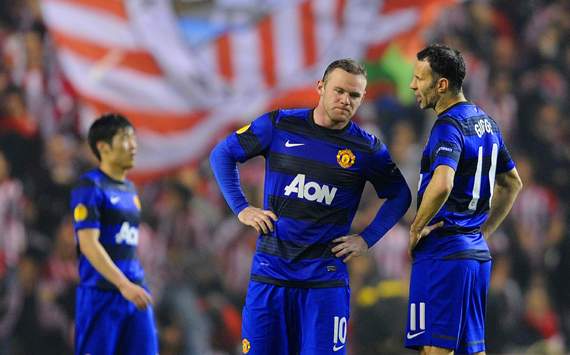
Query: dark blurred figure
[(504, 306), (18, 134)]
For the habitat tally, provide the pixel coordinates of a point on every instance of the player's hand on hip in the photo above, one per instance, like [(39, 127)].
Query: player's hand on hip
[(417, 235), (261, 220), (136, 294), (349, 246)]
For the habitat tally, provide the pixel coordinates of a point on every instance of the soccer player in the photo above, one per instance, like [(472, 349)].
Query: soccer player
[(467, 186), (317, 162), (114, 309)]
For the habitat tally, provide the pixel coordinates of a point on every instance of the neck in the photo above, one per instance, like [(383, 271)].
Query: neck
[(321, 119), (446, 102), (113, 171)]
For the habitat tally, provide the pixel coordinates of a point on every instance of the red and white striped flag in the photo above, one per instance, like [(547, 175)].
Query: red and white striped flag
[(130, 57)]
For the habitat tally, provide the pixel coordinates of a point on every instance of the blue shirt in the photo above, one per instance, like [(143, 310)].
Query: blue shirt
[(466, 139), (112, 207), (314, 178)]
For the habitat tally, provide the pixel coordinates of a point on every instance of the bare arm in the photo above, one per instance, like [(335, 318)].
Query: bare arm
[(507, 187), (102, 262), (434, 197)]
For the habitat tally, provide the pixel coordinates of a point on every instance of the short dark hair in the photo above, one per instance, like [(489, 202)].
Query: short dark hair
[(446, 62), (348, 65), (104, 129)]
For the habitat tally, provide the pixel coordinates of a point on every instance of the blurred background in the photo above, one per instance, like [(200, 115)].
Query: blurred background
[(187, 73)]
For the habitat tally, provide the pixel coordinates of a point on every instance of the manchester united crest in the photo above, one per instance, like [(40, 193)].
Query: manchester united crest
[(345, 158)]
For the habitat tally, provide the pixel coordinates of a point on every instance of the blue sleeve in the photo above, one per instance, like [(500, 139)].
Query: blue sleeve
[(86, 203), (504, 161), (249, 141), (390, 184), (445, 144)]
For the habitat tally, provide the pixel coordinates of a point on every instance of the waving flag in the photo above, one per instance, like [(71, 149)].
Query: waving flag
[(130, 56)]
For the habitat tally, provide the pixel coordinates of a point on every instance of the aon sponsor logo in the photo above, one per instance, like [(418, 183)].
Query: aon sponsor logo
[(128, 235), (310, 191)]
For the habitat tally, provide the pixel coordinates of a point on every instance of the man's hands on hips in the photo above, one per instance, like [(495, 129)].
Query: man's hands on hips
[(261, 220), (350, 246), (416, 235)]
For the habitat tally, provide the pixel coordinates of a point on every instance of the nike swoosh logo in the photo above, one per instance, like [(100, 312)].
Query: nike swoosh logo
[(412, 336), (289, 144), (115, 199), (337, 348)]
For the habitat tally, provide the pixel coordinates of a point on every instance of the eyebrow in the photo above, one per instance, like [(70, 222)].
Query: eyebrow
[(352, 93)]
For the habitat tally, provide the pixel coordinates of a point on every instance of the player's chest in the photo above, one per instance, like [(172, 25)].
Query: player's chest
[(121, 204), (316, 153)]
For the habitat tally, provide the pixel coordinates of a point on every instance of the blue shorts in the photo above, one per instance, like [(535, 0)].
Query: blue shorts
[(447, 305), (106, 324), (286, 320)]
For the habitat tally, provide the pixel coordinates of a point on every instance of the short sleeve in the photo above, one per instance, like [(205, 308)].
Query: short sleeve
[(86, 203), (446, 144), (504, 161)]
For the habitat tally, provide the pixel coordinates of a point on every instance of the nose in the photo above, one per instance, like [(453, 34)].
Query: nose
[(413, 84), (132, 144), (345, 99)]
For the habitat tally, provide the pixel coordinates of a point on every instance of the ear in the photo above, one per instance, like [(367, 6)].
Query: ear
[(442, 85), (320, 87), (103, 147)]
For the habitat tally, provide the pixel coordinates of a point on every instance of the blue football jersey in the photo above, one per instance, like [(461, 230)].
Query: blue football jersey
[(314, 179), (113, 207), (465, 138)]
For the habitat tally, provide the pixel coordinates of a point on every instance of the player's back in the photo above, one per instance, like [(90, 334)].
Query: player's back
[(112, 207), (467, 139)]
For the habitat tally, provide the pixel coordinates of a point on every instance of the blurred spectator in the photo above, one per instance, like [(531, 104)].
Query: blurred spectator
[(504, 307), (52, 192), (12, 233), (18, 134)]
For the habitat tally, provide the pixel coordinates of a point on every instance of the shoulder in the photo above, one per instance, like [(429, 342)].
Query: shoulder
[(365, 139), (91, 179), (289, 114)]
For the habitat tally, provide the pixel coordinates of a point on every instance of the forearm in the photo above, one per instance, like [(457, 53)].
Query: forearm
[(102, 262), (226, 173), (433, 199), (388, 215), (501, 204)]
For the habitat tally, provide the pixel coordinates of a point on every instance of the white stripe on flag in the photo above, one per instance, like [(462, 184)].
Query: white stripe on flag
[(245, 50), (325, 27), (90, 24), (123, 87), (288, 47)]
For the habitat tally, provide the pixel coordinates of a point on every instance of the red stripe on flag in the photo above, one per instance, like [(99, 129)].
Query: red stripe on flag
[(114, 7), (136, 60), (393, 5), (339, 12), (299, 97), (158, 122), (265, 32), (224, 57), (308, 32)]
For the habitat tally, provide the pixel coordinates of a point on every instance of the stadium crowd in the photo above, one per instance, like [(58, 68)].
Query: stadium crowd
[(197, 255)]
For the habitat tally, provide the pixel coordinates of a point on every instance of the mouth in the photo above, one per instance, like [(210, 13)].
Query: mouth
[(342, 109)]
